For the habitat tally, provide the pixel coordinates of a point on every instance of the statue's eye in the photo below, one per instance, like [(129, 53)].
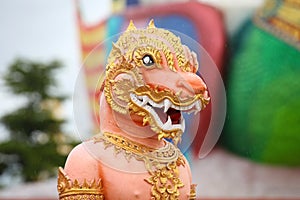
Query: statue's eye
[(148, 60)]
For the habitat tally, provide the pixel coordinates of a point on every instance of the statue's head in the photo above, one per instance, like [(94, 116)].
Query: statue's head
[(152, 77)]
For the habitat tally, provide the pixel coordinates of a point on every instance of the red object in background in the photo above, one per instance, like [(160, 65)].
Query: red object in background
[(207, 22), (209, 25)]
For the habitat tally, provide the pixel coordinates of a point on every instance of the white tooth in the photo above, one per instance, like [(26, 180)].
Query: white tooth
[(133, 97), (173, 106), (168, 124), (167, 104), (183, 124), (198, 107), (145, 100), (150, 102), (160, 105), (184, 108), (154, 104)]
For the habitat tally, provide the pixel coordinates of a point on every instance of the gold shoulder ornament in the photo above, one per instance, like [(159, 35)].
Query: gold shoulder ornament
[(71, 190)]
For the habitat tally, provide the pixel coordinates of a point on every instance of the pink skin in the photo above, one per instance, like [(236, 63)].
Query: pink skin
[(123, 179), (187, 82)]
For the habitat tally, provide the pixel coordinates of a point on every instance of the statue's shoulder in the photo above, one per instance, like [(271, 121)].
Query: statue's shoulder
[(81, 163), (80, 178)]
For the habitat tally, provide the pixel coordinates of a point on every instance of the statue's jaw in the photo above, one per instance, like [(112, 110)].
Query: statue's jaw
[(160, 114), (165, 116)]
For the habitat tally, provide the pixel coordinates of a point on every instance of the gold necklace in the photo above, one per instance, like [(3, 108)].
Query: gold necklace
[(162, 164)]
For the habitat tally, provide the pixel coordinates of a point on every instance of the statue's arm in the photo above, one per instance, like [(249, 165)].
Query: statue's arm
[(80, 178)]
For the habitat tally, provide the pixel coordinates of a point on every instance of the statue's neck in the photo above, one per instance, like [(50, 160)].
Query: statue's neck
[(123, 125)]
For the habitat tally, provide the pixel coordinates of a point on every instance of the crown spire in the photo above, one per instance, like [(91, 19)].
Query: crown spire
[(131, 26), (151, 24)]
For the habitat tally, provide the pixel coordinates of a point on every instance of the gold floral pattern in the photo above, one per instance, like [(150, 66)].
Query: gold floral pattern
[(162, 164), (165, 182)]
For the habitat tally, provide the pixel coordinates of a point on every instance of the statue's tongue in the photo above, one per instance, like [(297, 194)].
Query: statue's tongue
[(163, 116), (175, 115)]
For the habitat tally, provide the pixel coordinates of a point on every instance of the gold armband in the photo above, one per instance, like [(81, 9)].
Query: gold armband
[(71, 190)]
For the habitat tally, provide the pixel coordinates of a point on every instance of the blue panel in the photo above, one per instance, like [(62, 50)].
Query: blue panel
[(132, 2), (178, 23), (114, 25), (181, 24)]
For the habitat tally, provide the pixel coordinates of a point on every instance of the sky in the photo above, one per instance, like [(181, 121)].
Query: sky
[(45, 30)]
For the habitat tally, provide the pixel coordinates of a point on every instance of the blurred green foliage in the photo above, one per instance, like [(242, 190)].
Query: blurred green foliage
[(263, 92), (36, 144)]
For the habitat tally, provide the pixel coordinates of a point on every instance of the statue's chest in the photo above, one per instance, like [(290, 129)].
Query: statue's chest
[(126, 184), (130, 175)]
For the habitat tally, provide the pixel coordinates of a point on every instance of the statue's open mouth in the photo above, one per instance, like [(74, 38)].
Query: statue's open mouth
[(166, 115)]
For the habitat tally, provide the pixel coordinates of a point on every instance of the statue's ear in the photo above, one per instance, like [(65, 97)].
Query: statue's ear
[(118, 91)]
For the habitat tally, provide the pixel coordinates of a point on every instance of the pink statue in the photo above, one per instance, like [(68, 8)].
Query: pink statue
[(150, 79)]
